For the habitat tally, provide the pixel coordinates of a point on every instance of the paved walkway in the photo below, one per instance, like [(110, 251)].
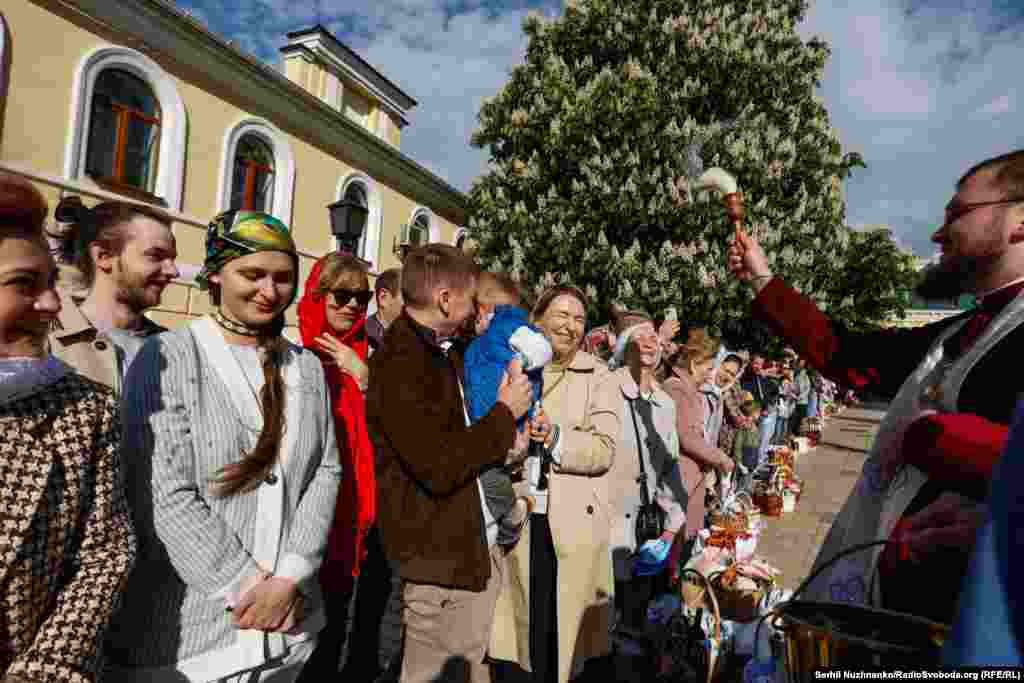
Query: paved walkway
[(829, 472)]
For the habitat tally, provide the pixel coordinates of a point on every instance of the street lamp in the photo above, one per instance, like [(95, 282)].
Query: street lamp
[(348, 220)]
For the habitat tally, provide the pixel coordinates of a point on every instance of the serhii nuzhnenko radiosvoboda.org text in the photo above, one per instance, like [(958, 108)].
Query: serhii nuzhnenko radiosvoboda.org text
[(1013, 674)]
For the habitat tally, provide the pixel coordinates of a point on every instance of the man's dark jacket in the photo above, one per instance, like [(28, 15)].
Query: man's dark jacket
[(375, 331), (428, 460)]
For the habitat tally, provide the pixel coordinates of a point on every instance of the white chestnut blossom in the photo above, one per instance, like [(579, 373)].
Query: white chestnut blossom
[(580, 172)]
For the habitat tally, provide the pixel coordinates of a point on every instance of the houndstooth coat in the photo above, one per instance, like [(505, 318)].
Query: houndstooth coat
[(66, 539)]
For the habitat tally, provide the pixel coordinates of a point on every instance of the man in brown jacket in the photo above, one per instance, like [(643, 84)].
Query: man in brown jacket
[(431, 512)]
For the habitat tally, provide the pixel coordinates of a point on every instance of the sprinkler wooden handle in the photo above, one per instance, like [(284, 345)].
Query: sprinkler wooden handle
[(734, 208)]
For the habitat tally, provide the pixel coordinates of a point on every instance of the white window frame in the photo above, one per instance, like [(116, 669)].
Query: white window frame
[(170, 175), (369, 243), (3, 57), (284, 165), (433, 229)]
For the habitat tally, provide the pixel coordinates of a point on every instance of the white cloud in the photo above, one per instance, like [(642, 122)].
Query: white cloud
[(448, 67), (922, 96)]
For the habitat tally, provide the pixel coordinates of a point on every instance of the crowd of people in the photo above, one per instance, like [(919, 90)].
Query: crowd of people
[(216, 503)]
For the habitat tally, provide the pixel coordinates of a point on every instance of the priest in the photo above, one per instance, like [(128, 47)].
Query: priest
[(952, 387)]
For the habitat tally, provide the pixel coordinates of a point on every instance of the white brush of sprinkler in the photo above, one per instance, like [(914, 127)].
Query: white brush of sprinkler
[(725, 183)]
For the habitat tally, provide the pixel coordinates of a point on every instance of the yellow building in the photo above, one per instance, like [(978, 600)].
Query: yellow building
[(135, 100)]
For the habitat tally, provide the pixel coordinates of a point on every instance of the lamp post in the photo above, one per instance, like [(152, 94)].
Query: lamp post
[(348, 220)]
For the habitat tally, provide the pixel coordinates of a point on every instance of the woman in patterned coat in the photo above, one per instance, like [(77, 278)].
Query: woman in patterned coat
[(67, 543)]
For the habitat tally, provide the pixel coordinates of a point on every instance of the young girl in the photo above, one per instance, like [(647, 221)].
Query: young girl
[(233, 474)]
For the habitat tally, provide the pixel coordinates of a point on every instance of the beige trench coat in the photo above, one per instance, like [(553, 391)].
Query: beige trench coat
[(585, 405), (91, 353)]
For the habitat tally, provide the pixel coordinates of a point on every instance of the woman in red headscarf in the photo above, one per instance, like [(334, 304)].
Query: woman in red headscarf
[(332, 321)]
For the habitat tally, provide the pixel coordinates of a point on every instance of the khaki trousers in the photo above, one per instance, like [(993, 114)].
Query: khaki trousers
[(447, 631)]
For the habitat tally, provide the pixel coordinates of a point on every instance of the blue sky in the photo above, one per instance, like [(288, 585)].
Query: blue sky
[(921, 88)]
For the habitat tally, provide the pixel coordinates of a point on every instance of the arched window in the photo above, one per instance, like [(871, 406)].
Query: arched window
[(460, 239), (3, 58), (257, 170), (252, 184), (360, 189), (124, 131), (419, 229), (127, 125)]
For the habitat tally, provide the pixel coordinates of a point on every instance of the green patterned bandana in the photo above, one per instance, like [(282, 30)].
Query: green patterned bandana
[(234, 234)]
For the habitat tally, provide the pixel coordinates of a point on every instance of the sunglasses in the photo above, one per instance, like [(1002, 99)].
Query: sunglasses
[(958, 211), (343, 296)]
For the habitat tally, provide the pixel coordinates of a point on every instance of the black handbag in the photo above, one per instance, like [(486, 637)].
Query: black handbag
[(650, 524)]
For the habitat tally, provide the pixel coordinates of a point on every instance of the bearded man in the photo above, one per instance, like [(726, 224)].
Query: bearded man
[(952, 385), (125, 257)]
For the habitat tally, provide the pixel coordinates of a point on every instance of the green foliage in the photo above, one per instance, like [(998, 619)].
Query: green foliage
[(878, 277), (596, 137)]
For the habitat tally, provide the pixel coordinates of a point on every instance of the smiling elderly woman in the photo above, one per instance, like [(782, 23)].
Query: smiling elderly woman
[(647, 467), (553, 611)]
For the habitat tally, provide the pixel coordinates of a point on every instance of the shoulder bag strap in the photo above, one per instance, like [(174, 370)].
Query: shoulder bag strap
[(645, 494)]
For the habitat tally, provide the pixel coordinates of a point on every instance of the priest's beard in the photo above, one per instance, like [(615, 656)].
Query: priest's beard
[(940, 283), (947, 280)]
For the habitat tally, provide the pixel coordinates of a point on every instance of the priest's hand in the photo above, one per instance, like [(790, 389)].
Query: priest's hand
[(271, 605), (748, 261), (950, 522)]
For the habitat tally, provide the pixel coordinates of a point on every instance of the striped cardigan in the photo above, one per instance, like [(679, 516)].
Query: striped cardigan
[(181, 425)]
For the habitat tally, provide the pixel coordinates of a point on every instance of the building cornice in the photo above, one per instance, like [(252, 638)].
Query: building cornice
[(317, 54), (178, 37), (345, 57)]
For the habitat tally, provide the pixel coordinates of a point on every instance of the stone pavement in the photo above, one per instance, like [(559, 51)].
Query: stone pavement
[(830, 471)]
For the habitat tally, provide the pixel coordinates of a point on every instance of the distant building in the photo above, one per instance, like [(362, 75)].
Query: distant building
[(135, 100)]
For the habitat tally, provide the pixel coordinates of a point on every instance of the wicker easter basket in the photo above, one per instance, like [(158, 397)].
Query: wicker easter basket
[(810, 426), (705, 656), (768, 495), (738, 604), (783, 456)]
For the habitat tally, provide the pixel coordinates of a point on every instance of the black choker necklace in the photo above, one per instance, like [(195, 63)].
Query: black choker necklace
[(236, 327)]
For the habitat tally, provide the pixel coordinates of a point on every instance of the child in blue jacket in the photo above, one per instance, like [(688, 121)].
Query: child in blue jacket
[(504, 334)]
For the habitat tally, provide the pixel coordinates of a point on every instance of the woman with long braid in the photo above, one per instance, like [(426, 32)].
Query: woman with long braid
[(232, 478)]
